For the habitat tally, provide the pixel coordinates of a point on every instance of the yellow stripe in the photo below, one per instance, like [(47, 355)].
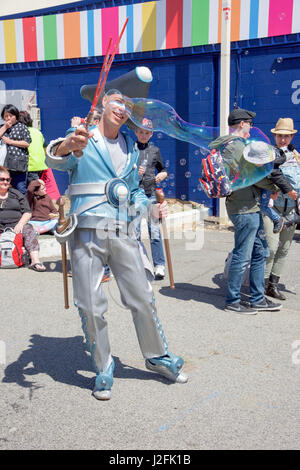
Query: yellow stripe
[(10, 41), (149, 26)]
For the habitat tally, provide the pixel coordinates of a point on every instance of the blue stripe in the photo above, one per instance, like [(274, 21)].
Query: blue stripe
[(90, 26), (129, 28), (253, 28)]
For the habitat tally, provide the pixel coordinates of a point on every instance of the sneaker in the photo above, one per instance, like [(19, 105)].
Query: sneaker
[(278, 225), (168, 366), (102, 394), (159, 272), (266, 305), (240, 307)]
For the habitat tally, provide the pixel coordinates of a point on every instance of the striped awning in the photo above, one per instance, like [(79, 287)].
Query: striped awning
[(156, 25)]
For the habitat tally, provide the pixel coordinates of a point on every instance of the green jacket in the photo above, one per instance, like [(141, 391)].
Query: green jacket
[(246, 200)]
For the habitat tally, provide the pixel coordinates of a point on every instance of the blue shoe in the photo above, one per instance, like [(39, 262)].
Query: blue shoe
[(103, 383), (169, 366)]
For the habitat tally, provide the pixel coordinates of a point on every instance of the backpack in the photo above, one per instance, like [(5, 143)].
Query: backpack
[(11, 251), (214, 180)]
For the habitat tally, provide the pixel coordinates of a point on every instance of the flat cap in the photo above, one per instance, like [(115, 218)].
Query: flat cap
[(237, 115)]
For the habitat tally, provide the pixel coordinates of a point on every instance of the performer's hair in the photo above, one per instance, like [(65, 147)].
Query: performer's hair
[(113, 91)]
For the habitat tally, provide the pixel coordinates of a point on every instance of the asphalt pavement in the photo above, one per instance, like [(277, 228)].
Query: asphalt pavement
[(244, 371)]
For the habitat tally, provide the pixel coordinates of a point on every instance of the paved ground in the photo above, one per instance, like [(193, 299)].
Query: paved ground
[(244, 386)]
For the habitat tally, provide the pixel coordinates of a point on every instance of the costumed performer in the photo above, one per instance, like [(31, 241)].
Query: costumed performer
[(103, 176)]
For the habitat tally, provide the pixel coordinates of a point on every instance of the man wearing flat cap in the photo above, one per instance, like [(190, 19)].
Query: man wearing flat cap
[(244, 212)]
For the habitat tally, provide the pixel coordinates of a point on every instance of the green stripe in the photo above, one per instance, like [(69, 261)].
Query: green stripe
[(50, 41), (200, 22)]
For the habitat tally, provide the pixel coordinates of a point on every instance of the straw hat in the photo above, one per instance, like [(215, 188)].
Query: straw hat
[(284, 126), (259, 153)]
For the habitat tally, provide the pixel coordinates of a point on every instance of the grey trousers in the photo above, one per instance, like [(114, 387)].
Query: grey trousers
[(279, 245), (90, 250)]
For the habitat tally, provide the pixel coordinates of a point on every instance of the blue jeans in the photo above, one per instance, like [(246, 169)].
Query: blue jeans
[(19, 181), (156, 246), (249, 246), (264, 207)]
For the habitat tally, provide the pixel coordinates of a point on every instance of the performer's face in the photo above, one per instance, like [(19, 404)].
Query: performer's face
[(114, 110)]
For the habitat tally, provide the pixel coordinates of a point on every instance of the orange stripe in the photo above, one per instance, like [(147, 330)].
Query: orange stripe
[(220, 21), (72, 35), (235, 20)]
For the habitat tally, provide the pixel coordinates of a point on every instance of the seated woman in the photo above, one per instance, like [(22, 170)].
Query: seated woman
[(15, 213), (44, 214)]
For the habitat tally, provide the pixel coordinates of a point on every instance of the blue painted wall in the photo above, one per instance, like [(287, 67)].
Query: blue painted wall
[(264, 78)]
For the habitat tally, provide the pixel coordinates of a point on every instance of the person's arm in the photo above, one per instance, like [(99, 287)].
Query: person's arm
[(15, 143), (25, 138), (23, 221), (60, 152), (278, 178), (160, 168)]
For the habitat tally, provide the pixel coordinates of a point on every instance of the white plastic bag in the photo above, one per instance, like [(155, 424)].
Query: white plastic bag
[(3, 152), (245, 281)]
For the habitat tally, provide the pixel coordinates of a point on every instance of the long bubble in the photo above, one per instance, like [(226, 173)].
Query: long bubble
[(157, 116)]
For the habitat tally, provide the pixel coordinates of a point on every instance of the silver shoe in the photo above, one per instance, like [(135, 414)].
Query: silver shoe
[(180, 378), (102, 394)]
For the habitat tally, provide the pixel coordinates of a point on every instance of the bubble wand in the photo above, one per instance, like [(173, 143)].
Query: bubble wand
[(108, 60)]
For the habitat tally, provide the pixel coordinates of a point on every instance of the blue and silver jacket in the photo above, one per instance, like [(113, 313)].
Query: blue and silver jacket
[(88, 177)]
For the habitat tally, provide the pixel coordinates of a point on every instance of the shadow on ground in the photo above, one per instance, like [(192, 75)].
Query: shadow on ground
[(61, 359)]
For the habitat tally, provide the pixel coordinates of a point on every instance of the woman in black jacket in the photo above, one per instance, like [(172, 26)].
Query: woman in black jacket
[(17, 138)]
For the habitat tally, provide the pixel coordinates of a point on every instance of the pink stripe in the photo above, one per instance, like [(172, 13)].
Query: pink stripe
[(280, 17), (110, 27)]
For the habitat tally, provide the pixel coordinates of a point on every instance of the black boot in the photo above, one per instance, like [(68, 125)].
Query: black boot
[(266, 284), (272, 289)]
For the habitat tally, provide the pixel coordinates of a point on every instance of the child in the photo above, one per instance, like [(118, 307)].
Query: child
[(150, 163), (44, 213), (260, 153)]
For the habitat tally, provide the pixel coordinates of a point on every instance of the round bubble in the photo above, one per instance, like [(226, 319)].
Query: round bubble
[(162, 118)]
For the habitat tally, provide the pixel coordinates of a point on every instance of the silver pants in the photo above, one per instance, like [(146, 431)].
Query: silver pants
[(90, 250)]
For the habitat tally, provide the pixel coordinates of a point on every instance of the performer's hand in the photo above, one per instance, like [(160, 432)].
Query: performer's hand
[(293, 194), (160, 210), (76, 142)]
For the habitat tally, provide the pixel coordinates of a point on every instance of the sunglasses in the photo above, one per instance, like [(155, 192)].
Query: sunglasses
[(250, 123), (5, 179)]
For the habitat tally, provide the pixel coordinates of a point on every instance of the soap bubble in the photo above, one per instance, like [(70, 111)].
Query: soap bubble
[(162, 118)]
